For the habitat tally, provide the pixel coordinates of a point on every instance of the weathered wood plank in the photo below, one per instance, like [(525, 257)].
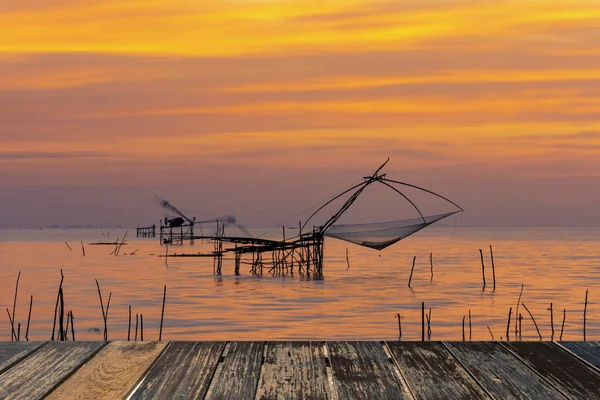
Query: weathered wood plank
[(432, 372), (237, 376), (362, 370), (13, 352), (112, 373), (294, 370), (563, 369), (184, 371), (589, 351), (39, 373), (502, 374)]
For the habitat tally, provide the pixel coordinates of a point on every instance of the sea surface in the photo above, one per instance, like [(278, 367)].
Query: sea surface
[(555, 265)]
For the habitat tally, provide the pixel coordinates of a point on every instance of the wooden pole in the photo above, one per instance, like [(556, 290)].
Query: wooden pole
[(102, 307), (517, 311), (82, 249), (347, 259), (162, 314), (508, 325), (142, 327), (431, 264), (482, 268), (563, 323), (72, 326), (533, 319), (62, 277), (12, 325), (68, 246), (411, 270), (136, 326), (399, 326), (493, 267), (129, 326), (15, 302), (61, 316), (584, 314), (463, 328), (551, 321), (491, 334), (29, 318), (470, 327), (422, 321)]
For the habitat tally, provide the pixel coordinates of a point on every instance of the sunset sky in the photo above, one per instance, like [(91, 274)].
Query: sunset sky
[(261, 108)]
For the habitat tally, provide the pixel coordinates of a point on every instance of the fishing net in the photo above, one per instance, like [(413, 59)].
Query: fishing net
[(379, 235)]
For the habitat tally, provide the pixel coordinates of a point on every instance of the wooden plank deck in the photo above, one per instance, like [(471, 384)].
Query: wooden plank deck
[(299, 370)]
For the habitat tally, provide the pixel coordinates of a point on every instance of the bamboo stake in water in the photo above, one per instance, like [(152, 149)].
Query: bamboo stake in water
[(162, 314), (482, 268), (68, 246), (493, 267), (563, 323), (422, 321), (62, 278), (12, 325), (136, 326), (347, 259), (491, 334), (551, 322), (29, 319), (470, 326), (431, 264), (428, 316), (508, 325), (129, 326), (463, 328), (411, 270), (142, 327), (82, 249), (102, 307), (19, 332), (533, 319), (584, 314), (517, 311), (61, 316), (72, 326), (520, 337), (399, 326), (15, 302)]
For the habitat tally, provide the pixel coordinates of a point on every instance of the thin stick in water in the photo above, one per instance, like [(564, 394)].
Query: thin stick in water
[(102, 307), (136, 326), (470, 326), (491, 334), (551, 321), (431, 264), (482, 268), (520, 337), (463, 328), (347, 259), (129, 326), (12, 325), (19, 332), (62, 278), (562, 328), (29, 319), (493, 267), (508, 325), (72, 326), (533, 319), (61, 316), (142, 327), (429, 325), (584, 314), (517, 311), (68, 246), (399, 326), (422, 321), (162, 314), (15, 301), (411, 270), (82, 249)]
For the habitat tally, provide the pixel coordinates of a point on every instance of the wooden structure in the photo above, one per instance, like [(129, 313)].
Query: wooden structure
[(146, 232), (299, 370), (177, 235)]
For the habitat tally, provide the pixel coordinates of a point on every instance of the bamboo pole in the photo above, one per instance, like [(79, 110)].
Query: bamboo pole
[(482, 268), (15, 300), (493, 267), (399, 326), (347, 259), (62, 277), (68, 246), (463, 328), (29, 319), (584, 314), (508, 325), (102, 307), (129, 326), (72, 326), (61, 316), (470, 327), (517, 311), (533, 319), (12, 325), (551, 322), (562, 328), (491, 334), (422, 321), (82, 249), (431, 264), (162, 314), (136, 326), (411, 270), (142, 327)]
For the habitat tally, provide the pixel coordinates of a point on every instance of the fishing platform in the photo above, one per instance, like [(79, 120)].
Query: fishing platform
[(300, 370)]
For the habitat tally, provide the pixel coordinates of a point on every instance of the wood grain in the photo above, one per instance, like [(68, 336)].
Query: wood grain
[(184, 371), (432, 372), (237, 376), (112, 373), (589, 351), (294, 370), (500, 372), (362, 370), (38, 374), (563, 369), (13, 352)]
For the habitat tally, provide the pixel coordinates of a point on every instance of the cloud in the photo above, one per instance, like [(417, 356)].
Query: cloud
[(49, 155)]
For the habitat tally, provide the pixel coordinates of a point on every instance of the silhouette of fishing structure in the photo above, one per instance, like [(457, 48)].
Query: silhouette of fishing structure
[(304, 252)]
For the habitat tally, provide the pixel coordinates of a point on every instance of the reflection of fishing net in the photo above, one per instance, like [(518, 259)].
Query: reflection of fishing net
[(379, 235)]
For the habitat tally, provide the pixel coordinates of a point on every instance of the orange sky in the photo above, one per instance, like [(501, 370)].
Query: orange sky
[(260, 106)]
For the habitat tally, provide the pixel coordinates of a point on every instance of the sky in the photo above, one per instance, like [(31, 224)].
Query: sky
[(261, 108)]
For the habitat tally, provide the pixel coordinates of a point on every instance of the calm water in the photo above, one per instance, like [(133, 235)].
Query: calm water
[(556, 265)]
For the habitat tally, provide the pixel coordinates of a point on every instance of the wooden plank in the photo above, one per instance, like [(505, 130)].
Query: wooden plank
[(294, 370), (39, 373), (502, 374), (112, 373), (589, 351), (432, 372), (13, 352), (362, 370), (237, 376), (184, 371), (563, 369)]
